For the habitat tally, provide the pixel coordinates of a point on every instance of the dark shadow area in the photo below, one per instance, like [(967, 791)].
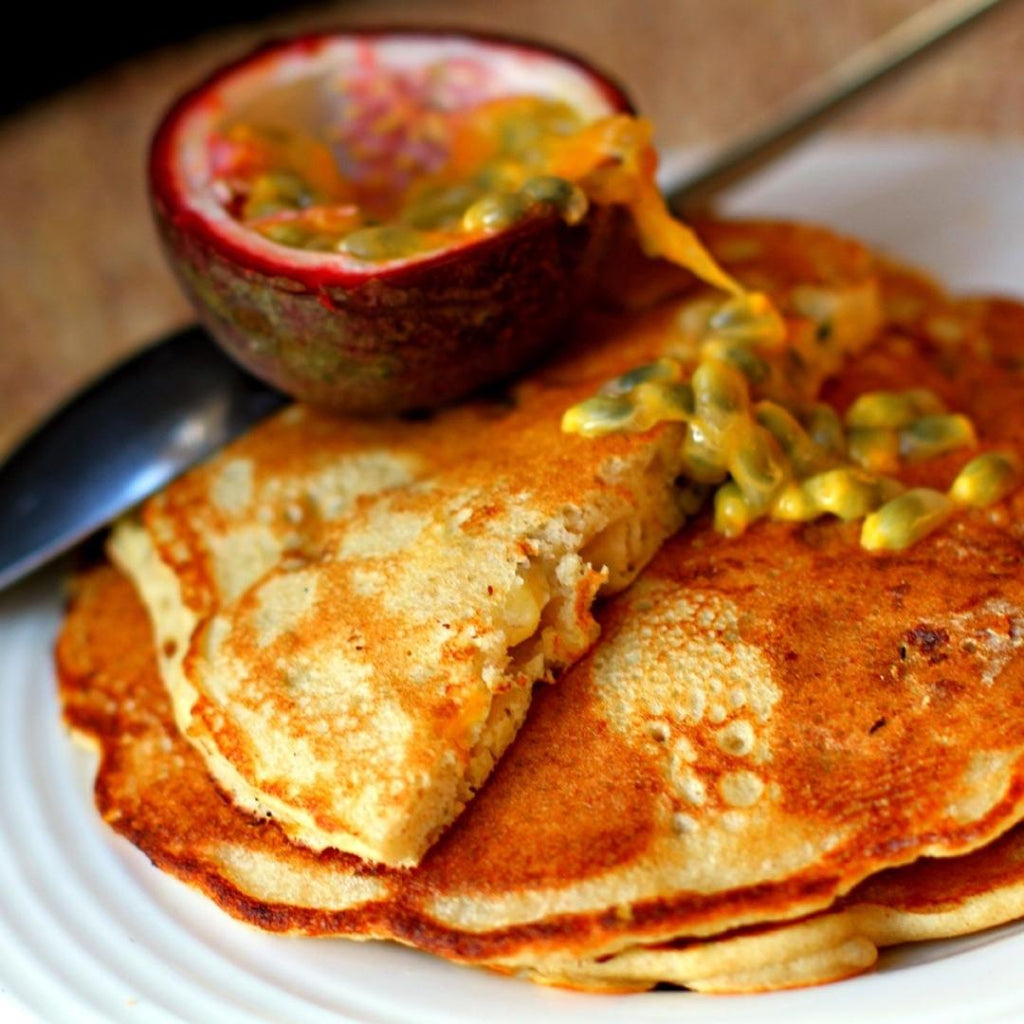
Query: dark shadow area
[(63, 46)]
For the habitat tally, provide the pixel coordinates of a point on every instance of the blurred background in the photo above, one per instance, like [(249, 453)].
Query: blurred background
[(82, 281)]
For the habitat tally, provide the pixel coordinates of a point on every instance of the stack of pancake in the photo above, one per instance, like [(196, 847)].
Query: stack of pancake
[(502, 693)]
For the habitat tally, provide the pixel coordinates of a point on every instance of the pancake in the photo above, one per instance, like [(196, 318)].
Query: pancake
[(350, 616), (928, 900), (765, 723)]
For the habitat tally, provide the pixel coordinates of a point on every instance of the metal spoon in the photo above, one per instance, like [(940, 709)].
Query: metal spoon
[(173, 404)]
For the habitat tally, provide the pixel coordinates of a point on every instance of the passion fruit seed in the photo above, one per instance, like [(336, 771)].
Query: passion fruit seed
[(441, 208), (719, 391), (295, 235), (495, 212), (848, 492), (758, 466), (733, 514), (749, 318), (600, 415), (935, 435), (986, 479), (705, 462), (660, 369), (805, 456), (906, 520), (384, 242), (743, 357), (550, 190), (825, 429), (275, 192), (660, 401), (876, 449), (893, 409), (793, 504), (650, 401)]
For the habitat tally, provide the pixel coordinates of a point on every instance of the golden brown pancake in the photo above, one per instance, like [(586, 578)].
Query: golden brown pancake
[(350, 616), (930, 899), (765, 723), (350, 635), (933, 898)]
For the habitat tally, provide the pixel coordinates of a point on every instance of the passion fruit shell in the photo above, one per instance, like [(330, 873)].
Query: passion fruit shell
[(376, 337)]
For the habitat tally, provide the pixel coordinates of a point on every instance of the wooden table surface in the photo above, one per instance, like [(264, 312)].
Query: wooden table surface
[(82, 281)]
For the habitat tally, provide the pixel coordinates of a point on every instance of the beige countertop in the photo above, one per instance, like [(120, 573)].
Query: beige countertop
[(82, 281)]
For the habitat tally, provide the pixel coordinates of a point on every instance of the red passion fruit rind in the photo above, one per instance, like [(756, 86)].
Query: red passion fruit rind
[(382, 335)]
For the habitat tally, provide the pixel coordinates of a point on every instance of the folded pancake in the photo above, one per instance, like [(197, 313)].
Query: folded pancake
[(765, 723), (350, 616)]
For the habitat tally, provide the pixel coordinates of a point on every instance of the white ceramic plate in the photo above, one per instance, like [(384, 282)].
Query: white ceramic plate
[(89, 931)]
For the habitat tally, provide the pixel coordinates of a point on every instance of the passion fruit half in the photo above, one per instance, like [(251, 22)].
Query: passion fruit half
[(309, 199)]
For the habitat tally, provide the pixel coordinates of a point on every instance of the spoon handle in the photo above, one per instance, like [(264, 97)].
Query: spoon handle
[(825, 97), (118, 441)]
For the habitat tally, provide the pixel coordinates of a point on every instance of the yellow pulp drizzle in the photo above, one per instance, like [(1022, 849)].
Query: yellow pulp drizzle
[(287, 185)]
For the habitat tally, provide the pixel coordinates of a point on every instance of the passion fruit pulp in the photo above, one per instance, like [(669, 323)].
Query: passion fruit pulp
[(382, 327)]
